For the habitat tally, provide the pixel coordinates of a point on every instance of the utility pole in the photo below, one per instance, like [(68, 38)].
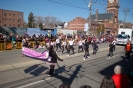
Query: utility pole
[(125, 11), (90, 8)]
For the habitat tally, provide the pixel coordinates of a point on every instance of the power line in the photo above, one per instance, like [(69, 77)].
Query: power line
[(68, 4), (126, 10), (35, 10)]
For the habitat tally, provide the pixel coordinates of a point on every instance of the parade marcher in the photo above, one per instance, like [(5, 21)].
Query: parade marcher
[(64, 46), (80, 43), (94, 46), (53, 60), (111, 49), (128, 49), (70, 46), (86, 48), (97, 48), (58, 44), (114, 43), (53, 43)]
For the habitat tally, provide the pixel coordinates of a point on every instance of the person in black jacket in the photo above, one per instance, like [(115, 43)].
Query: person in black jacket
[(52, 60), (94, 46), (111, 49), (86, 48)]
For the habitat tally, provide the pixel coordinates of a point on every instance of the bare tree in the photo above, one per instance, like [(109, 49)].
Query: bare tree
[(39, 20), (51, 22)]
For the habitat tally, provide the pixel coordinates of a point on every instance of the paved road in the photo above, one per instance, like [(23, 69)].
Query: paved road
[(74, 71), (14, 58)]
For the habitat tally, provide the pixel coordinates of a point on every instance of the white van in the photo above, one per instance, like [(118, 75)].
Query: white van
[(124, 35)]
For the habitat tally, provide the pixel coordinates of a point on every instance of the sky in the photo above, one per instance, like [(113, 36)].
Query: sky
[(64, 10)]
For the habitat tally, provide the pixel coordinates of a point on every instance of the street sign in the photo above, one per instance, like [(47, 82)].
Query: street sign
[(86, 27)]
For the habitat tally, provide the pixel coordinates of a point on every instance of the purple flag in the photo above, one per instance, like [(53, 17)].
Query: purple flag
[(31, 53)]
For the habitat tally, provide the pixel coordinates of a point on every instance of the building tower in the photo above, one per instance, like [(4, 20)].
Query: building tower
[(112, 7)]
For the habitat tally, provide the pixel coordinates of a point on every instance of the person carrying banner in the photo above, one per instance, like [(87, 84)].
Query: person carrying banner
[(53, 60), (128, 49)]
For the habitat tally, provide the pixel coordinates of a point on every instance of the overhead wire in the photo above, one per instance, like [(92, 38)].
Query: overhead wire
[(62, 2)]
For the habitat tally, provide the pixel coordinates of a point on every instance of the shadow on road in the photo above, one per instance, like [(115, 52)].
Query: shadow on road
[(35, 70), (68, 77), (128, 66)]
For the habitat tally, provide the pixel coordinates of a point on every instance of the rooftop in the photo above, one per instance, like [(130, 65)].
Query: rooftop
[(104, 16)]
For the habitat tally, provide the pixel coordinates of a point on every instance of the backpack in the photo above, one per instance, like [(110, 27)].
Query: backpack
[(128, 47)]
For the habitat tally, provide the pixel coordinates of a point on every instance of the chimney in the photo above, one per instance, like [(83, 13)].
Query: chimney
[(97, 15)]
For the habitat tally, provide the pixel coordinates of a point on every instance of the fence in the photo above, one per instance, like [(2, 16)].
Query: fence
[(4, 45)]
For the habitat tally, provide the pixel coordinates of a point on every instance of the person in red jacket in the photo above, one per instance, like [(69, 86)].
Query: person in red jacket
[(120, 79)]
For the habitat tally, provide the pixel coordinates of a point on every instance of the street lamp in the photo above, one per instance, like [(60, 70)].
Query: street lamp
[(89, 6)]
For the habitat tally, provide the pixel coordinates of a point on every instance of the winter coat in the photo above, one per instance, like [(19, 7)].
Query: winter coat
[(53, 56)]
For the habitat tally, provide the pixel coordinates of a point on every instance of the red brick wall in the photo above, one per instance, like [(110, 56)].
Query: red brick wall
[(77, 24), (11, 18)]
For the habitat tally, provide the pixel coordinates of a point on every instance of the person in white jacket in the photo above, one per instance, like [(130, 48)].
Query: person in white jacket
[(64, 46), (80, 45)]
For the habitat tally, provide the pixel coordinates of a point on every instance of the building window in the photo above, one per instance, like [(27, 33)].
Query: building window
[(19, 20), (18, 25), (121, 26), (10, 19), (10, 25), (5, 25), (13, 20), (4, 19), (14, 15), (0, 21), (0, 16), (122, 32), (19, 15), (10, 14), (4, 14)]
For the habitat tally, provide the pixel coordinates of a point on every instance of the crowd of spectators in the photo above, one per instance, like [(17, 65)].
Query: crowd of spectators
[(43, 37)]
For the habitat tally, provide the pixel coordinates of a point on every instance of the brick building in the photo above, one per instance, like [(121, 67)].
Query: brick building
[(10, 18), (109, 19), (77, 24)]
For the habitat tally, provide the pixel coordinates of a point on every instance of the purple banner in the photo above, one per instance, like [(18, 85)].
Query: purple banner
[(31, 53)]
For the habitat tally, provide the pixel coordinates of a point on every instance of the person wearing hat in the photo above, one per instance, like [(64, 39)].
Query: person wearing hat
[(120, 79), (52, 60)]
